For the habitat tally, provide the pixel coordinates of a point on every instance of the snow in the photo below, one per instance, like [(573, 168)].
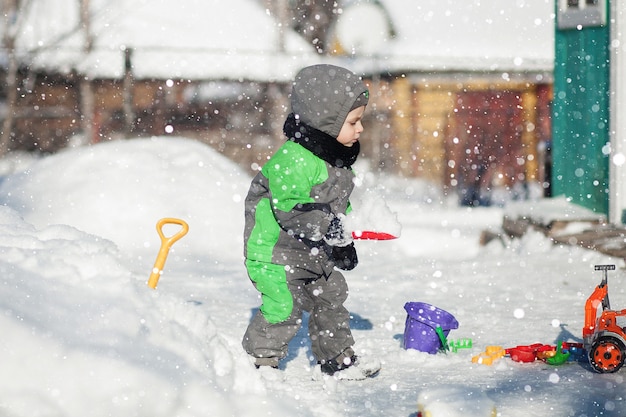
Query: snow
[(84, 335), (447, 35), (238, 39), (373, 216), (197, 39), (550, 210)]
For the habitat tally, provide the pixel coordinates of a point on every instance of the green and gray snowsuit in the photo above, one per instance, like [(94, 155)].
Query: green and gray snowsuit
[(288, 210)]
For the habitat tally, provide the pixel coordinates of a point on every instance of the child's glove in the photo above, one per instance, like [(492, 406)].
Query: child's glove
[(345, 257), (337, 235)]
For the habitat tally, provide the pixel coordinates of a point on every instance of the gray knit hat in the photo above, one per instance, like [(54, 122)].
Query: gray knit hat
[(323, 95)]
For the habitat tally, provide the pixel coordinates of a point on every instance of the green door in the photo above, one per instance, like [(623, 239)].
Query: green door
[(581, 116)]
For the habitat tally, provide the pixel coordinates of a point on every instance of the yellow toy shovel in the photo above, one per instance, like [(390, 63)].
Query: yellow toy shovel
[(166, 244)]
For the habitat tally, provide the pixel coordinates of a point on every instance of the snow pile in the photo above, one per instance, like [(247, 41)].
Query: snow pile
[(82, 334), (553, 209), (119, 190), (372, 214)]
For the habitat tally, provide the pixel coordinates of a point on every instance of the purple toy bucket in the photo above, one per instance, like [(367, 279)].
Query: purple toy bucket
[(421, 322)]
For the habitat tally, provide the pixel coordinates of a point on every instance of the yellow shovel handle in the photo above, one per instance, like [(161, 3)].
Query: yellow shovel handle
[(166, 244)]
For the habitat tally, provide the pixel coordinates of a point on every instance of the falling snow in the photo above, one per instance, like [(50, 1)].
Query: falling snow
[(84, 335)]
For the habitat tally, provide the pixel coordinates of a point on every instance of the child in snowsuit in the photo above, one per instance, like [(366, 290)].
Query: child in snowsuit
[(294, 236)]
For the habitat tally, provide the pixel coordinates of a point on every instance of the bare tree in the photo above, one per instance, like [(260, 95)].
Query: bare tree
[(87, 99), (13, 11), (311, 19)]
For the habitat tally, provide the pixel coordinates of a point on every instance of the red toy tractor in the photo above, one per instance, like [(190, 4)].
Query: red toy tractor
[(604, 336)]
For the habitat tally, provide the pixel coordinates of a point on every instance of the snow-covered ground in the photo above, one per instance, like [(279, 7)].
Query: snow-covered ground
[(83, 335)]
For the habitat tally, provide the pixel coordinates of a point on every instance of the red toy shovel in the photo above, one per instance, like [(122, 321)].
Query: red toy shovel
[(371, 235)]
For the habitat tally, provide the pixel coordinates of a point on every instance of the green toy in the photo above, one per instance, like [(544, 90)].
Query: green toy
[(559, 357), (452, 345)]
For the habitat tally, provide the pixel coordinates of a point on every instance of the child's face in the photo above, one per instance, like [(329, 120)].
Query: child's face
[(352, 127)]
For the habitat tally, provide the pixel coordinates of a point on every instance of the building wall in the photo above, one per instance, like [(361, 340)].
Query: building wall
[(465, 133), (47, 114), (457, 133)]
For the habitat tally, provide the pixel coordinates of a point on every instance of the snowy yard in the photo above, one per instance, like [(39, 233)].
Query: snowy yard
[(84, 335)]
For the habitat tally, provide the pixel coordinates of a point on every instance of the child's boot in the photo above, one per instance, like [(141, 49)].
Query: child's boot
[(347, 365)]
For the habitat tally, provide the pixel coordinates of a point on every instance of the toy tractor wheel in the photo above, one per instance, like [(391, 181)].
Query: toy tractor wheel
[(607, 354)]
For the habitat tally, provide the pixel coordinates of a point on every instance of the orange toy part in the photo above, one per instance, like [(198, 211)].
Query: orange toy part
[(604, 332), (595, 300), (490, 355)]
